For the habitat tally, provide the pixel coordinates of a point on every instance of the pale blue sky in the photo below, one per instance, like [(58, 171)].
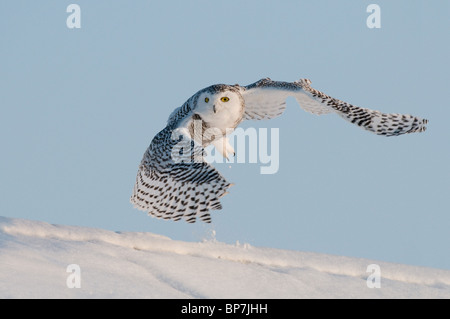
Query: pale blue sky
[(79, 107)]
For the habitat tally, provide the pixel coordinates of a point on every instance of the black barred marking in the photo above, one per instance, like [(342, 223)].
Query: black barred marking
[(364, 118), (367, 118), (191, 220), (169, 190), (191, 214)]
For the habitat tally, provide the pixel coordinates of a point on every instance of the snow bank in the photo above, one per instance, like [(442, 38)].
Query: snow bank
[(34, 257)]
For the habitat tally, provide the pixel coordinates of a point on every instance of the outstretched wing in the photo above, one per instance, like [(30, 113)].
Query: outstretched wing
[(266, 99), (174, 182)]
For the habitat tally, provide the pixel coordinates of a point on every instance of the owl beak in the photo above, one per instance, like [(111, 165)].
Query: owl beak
[(214, 108)]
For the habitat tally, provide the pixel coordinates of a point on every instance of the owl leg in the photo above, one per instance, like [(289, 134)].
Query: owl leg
[(224, 147)]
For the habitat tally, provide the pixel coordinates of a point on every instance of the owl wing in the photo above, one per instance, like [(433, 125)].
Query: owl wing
[(266, 99), (174, 181)]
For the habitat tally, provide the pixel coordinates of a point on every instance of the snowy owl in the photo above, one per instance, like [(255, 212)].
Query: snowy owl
[(173, 183)]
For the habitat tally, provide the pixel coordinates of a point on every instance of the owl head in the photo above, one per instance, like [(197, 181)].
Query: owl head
[(219, 101)]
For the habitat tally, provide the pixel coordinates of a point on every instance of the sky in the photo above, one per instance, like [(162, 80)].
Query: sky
[(80, 106)]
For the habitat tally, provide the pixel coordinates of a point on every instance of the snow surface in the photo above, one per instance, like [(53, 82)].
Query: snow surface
[(34, 257)]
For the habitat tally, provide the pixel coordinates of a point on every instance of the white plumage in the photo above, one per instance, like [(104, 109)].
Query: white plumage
[(174, 181)]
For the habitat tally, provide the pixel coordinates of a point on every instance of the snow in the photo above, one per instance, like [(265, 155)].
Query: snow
[(34, 257)]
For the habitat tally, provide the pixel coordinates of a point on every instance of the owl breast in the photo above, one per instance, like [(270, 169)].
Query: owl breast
[(225, 119)]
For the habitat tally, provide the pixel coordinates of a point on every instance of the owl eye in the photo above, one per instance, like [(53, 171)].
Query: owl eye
[(206, 99), (225, 99)]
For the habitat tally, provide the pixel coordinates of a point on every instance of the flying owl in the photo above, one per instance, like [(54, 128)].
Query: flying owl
[(175, 182)]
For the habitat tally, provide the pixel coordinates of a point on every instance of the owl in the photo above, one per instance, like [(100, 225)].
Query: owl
[(175, 182)]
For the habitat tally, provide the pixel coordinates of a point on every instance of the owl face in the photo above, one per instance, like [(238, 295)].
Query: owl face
[(221, 105), (217, 102)]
